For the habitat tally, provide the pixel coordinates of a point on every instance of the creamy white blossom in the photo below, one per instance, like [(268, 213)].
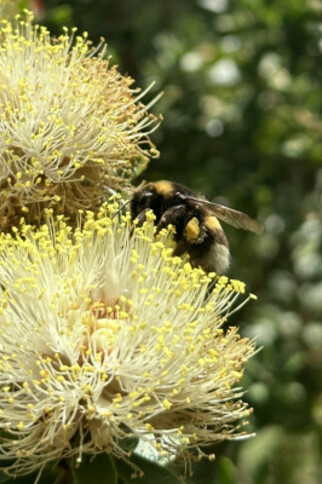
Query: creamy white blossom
[(104, 335), (72, 129)]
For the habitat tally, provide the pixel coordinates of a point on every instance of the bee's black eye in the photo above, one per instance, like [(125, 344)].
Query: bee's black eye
[(145, 199)]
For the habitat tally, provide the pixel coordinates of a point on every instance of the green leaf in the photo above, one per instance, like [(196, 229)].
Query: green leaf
[(100, 470), (128, 443), (152, 472), (23, 4), (226, 471), (61, 14), (141, 165)]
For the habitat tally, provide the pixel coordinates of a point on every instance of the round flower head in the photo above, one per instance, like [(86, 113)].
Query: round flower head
[(106, 336), (72, 130)]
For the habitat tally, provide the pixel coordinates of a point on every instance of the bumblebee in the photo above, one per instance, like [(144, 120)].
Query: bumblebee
[(198, 231)]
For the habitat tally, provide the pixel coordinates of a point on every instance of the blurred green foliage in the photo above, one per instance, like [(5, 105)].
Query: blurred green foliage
[(242, 124)]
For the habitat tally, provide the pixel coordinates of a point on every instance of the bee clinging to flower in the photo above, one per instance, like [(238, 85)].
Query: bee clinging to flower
[(198, 231)]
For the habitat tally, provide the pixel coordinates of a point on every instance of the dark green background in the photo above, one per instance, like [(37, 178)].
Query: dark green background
[(242, 102)]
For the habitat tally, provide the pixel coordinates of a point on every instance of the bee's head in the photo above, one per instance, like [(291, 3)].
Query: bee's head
[(145, 197)]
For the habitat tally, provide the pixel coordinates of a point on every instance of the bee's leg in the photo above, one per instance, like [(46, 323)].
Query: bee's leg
[(140, 219), (181, 248), (194, 231), (192, 235), (174, 216)]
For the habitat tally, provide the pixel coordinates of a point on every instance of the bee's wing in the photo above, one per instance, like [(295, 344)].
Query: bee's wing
[(231, 216)]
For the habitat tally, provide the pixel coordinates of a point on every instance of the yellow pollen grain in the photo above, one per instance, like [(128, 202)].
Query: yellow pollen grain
[(20, 426), (167, 404), (107, 414)]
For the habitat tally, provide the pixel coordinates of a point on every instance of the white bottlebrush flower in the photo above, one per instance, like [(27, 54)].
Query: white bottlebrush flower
[(104, 336), (72, 129)]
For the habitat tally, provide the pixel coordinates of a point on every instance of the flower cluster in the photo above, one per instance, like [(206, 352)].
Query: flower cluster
[(72, 129), (106, 336)]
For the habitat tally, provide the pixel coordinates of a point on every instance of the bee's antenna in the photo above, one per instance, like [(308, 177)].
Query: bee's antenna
[(120, 209)]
